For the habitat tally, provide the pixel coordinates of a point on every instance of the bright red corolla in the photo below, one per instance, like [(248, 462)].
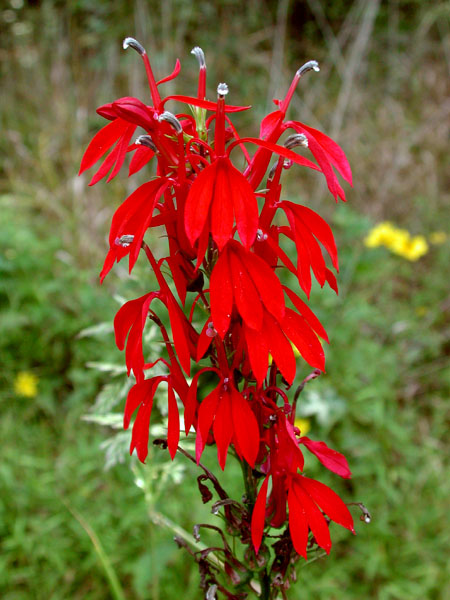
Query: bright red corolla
[(232, 321)]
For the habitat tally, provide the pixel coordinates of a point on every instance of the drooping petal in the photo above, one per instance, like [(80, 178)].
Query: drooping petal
[(328, 501), (259, 515), (258, 353), (335, 153), (315, 518), (222, 206), (221, 295), (244, 204), (331, 459), (266, 282), (298, 524), (173, 431), (307, 314), (141, 157), (223, 428), (245, 426), (174, 73), (280, 348), (102, 142), (198, 202), (320, 229), (206, 414), (245, 294), (304, 339)]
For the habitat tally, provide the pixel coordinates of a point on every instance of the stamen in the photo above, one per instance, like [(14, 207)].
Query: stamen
[(200, 56), (222, 90), (146, 140), (261, 236), (311, 65), (124, 240), (297, 139), (171, 118), (132, 43)]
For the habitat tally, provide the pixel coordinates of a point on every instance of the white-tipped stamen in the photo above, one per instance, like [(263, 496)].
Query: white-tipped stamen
[(296, 139), (171, 118), (124, 240), (146, 140), (311, 65), (130, 42), (200, 56), (222, 90)]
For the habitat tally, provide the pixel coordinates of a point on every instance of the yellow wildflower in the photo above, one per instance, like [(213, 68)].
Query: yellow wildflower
[(399, 241), (379, 235), (438, 237), (303, 424), (421, 311), (416, 248), (25, 384)]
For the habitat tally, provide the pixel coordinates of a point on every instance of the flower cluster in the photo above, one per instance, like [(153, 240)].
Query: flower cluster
[(223, 259)]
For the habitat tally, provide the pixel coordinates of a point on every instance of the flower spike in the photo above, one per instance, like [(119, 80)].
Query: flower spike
[(222, 242)]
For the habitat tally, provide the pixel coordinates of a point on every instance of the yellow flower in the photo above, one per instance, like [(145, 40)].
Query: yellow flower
[(379, 235), (25, 384), (399, 241), (421, 311), (438, 237), (303, 424)]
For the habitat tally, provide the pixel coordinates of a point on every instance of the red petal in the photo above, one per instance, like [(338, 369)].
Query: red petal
[(173, 431), (139, 437), (305, 340), (281, 150), (270, 122), (267, 283), (204, 103), (174, 74), (102, 142), (223, 428), (244, 204), (136, 396), (331, 459), (105, 166), (204, 341), (125, 318), (198, 202), (320, 229), (206, 414), (180, 334), (136, 112), (298, 525), (315, 518), (335, 153), (221, 295), (307, 314), (324, 162), (259, 515), (222, 207), (280, 348), (245, 427), (258, 353), (328, 501), (122, 151), (141, 157), (245, 294)]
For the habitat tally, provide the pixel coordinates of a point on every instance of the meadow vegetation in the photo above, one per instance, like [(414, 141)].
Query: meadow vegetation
[(78, 517)]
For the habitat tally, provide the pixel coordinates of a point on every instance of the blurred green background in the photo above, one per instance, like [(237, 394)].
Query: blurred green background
[(71, 528)]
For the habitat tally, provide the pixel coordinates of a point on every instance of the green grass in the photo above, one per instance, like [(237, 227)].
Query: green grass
[(68, 527)]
